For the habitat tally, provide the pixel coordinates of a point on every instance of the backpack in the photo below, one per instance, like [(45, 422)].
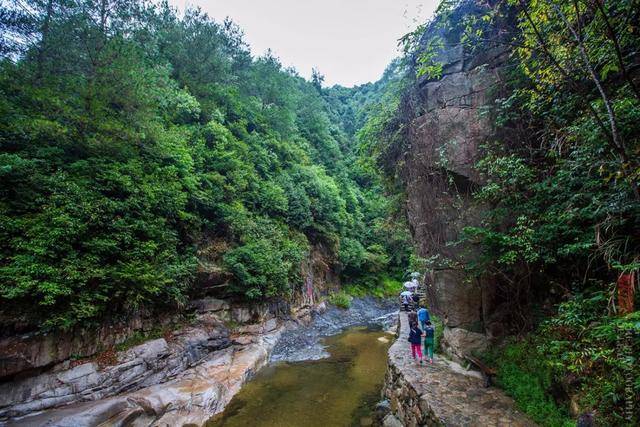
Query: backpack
[(429, 331)]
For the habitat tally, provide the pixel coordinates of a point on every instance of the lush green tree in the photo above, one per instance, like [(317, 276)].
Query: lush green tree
[(129, 134)]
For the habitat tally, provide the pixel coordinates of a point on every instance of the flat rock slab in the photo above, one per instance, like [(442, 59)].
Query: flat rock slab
[(442, 394), (190, 399)]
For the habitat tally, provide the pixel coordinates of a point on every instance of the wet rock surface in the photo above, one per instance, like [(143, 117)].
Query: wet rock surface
[(191, 398), (304, 343), (141, 366), (442, 393), (183, 378)]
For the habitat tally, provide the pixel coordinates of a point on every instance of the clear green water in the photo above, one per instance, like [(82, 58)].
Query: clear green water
[(338, 391)]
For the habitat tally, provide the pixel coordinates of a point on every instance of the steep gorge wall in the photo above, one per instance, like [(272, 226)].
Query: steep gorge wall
[(182, 379), (446, 126), (40, 371)]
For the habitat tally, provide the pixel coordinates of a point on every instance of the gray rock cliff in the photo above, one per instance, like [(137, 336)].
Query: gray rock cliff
[(445, 127)]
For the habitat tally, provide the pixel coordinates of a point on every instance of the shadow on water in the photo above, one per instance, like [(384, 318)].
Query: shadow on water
[(340, 390)]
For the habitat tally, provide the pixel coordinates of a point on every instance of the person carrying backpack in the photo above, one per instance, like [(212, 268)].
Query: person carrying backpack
[(429, 340), (423, 316), (412, 317), (405, 299), (415, 338)]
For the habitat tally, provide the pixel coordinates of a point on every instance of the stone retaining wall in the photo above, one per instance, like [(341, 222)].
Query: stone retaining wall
[(442, 393), (406, 405)]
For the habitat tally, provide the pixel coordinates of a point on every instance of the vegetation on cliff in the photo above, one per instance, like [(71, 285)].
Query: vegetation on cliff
[(133, 139), (138, 147), (560, 183)]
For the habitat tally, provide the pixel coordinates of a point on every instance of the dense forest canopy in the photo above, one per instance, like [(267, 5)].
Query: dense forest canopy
[(129, 135)]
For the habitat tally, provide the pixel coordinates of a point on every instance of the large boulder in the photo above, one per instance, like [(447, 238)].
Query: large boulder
[(456, 300), (460, 342)]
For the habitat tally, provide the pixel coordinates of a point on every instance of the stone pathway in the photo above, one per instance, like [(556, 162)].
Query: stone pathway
[(443, 393)]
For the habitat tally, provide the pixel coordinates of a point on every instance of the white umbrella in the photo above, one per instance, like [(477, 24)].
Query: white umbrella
[(410, 285), (406, 294), (415, 275)]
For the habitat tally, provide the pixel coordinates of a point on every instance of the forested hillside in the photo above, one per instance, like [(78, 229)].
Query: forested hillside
[(129, 135), (554, 194), (140, 147)]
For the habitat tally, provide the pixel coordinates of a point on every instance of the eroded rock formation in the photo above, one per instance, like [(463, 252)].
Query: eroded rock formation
[(446, 125), (190, 373), (185, 377)]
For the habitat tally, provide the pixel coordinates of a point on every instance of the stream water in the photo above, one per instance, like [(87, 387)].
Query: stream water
[(339, 390)]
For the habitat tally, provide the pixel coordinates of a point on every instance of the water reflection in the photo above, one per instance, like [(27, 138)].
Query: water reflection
[(338, 391)]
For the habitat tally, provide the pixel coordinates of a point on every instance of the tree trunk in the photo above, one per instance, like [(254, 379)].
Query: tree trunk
[(614, 39), (618, 143)]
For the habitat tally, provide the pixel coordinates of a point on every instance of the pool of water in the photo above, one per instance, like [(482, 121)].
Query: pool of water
[(340, 390)]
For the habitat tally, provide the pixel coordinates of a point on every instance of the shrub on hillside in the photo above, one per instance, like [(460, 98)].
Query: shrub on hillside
[(574, 355), (340, 299)]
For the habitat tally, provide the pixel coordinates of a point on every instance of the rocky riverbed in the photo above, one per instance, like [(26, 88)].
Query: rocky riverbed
[(184, 377), (340, 390), (305, 343)]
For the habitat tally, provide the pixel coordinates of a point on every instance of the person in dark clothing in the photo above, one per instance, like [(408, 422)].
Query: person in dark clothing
[(405, 299), (416, 299), (429, 340), (413, 317), (415, 338)]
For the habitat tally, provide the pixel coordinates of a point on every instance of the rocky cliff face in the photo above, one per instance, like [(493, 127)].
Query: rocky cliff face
[(40, 371), (185, 377), (182, 379), (27, 354), (445, 127)]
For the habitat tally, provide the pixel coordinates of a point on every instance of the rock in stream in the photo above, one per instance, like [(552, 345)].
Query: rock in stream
[(303, 343)]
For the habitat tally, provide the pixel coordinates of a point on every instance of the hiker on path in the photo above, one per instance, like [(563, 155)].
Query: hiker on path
[(413, 317), (429, 340), (423, 316), (405, 299), (415, 338), (416, 299), (411, 286)]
